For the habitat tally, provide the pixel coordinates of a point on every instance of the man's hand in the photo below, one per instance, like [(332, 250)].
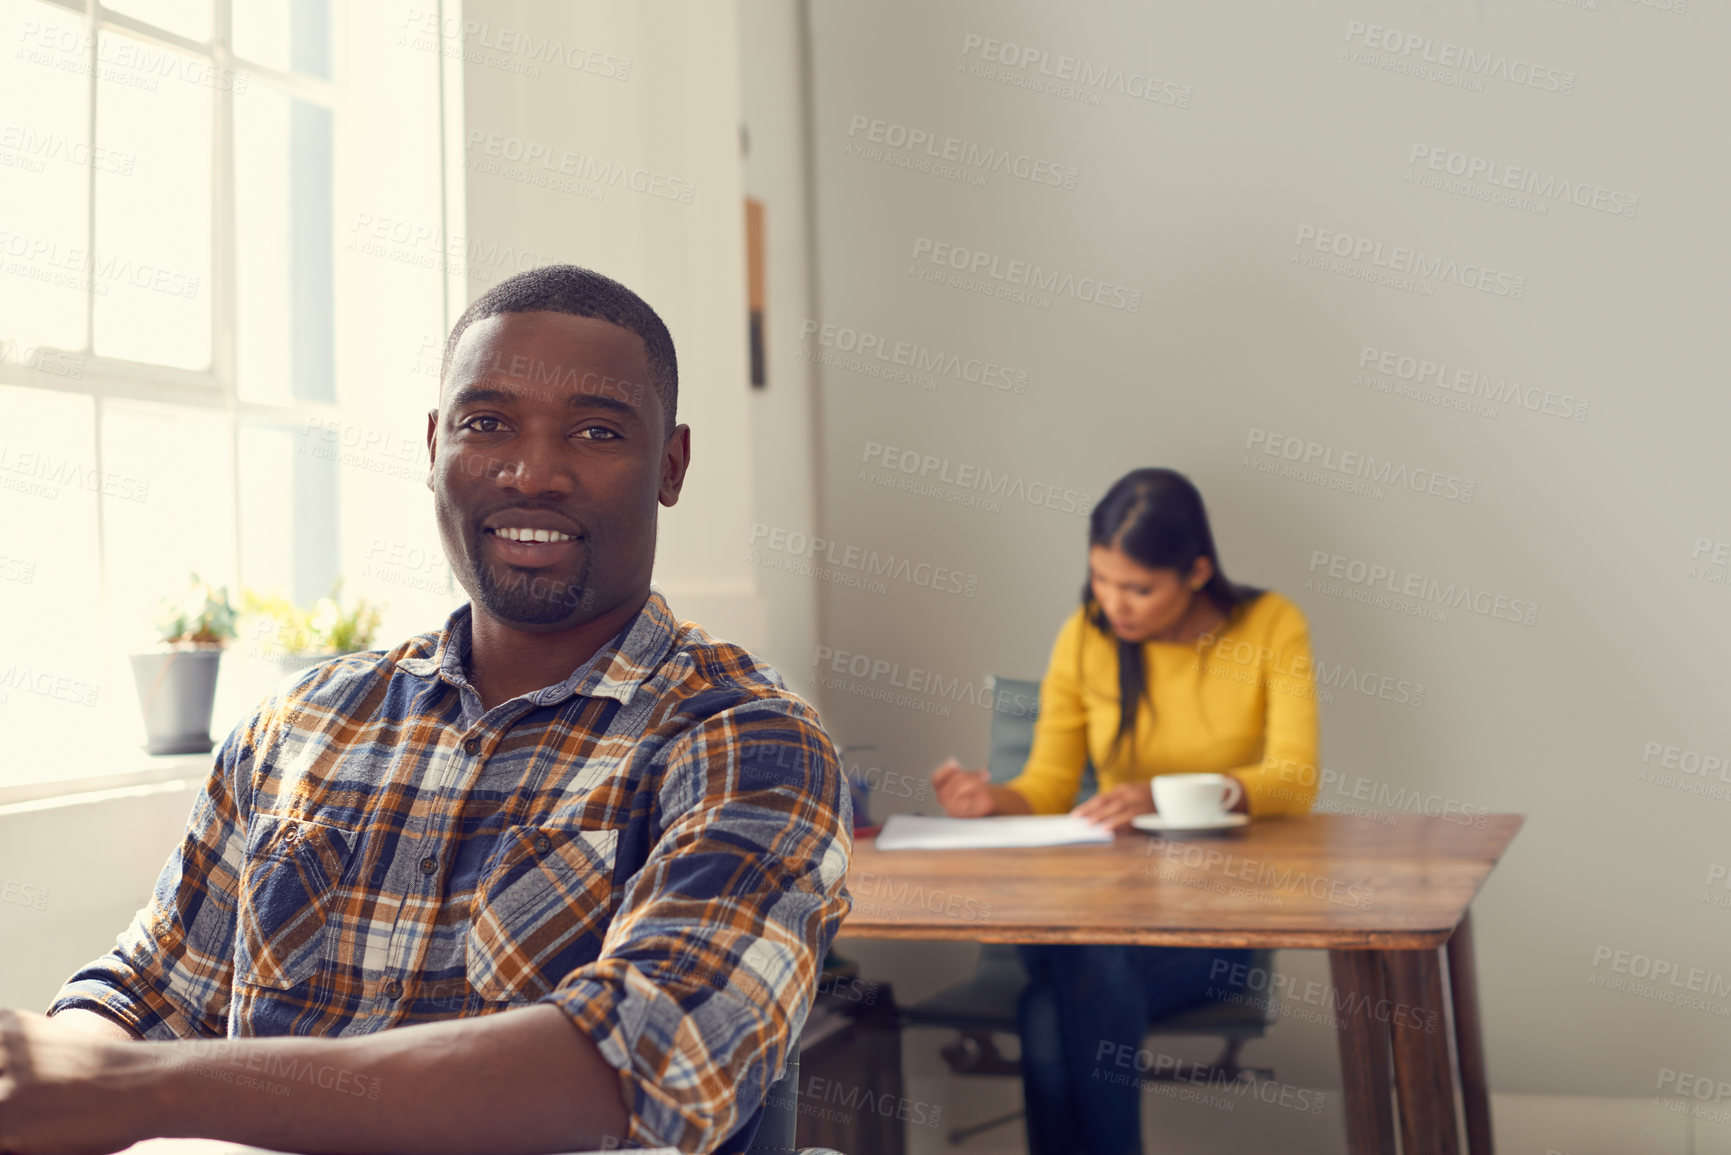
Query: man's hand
[(963, 793), (63, 1091), (1115, 808)]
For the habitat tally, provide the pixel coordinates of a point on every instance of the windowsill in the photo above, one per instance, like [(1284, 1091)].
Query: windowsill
[(124, 769), (105, 751)]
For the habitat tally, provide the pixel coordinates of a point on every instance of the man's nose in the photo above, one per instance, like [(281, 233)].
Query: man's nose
[(535, 464)]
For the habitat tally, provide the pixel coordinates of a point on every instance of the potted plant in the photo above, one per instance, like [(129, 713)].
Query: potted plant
[(177, 682), (296, 637)]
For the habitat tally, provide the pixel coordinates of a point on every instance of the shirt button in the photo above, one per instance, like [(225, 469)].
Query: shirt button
[(429, 865), (291, 832), (472, 747), (393, 990), (543, 844)]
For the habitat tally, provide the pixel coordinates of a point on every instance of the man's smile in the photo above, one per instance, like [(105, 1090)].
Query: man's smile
[(517, 533), (531, 537), (522, 546)]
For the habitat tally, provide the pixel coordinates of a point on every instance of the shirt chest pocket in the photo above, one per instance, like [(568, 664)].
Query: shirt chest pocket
[(287, 887), (540, 910)]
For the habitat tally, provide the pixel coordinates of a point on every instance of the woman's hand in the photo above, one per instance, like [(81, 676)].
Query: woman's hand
[(1115, 808), (963, 793)]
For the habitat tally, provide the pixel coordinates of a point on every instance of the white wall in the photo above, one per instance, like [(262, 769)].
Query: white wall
[(784, 414), (1266, 125), (79, 870)]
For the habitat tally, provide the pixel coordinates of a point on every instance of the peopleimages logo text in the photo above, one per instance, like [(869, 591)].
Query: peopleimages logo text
[(861, 560), (1545, 186), (517, 42), (1374, 576), (1026, 274), (956, 150), (1470, 61), (975, 477), (1473, 383), (581, 166), (921, 358), (1085, 74), (1400, 259), (1352, 463)]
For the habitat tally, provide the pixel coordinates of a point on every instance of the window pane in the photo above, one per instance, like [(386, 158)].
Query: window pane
[(288, 506), (152, 251), (186, 524), (44, 179), (284, 255), (52, 687), (189, 18), (288, 547), (288, 35)]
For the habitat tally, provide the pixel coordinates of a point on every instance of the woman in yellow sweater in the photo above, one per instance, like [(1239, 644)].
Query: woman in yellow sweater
[(1218, 681)]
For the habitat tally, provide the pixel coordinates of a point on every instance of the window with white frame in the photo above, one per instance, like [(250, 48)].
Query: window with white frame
[(167, 328)]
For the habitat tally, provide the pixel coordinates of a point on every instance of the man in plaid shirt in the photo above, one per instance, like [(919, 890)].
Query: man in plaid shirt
[(565, 805)]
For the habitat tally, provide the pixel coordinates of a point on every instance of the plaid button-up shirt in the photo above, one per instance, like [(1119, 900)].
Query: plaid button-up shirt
[(656, 845)]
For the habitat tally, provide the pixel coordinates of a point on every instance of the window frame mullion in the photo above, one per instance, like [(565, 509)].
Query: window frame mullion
[(98, 412), (224, 357)]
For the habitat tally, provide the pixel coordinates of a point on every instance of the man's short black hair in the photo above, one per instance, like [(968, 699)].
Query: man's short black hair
[(581, 293)]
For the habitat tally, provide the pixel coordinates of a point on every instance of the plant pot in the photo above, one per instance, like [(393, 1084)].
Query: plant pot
[(176, 690)]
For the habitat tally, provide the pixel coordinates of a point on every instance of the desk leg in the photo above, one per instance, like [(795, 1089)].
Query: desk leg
[(1469, 1043), (1423, 1072), (1363, 1052)]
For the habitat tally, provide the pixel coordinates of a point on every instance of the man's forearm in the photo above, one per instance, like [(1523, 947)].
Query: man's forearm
[(95, 1023), (522, 1081), (1007, 801)]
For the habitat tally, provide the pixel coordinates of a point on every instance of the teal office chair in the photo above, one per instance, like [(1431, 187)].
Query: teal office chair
[(984, 1006), (775, 1131)]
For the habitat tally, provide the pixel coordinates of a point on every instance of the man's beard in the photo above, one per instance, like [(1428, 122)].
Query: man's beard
[(529, 599)]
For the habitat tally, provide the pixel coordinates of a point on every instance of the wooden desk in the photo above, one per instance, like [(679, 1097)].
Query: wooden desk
[(1381, 899)]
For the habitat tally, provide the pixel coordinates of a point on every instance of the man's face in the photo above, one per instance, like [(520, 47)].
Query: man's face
[(547, 462)]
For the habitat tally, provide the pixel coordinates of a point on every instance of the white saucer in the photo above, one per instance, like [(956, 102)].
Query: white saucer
[(1156, 824)]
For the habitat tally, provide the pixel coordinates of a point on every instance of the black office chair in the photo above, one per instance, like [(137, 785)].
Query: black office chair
[(775, 1133), (984, 1006)]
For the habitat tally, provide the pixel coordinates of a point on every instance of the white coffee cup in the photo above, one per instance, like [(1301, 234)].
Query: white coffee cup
[(1195, 798)]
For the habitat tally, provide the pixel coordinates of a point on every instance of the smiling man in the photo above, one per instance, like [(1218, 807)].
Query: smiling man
[(558, 875)]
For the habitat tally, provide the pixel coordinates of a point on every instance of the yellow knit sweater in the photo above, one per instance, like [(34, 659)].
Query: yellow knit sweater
[(1241, 701)]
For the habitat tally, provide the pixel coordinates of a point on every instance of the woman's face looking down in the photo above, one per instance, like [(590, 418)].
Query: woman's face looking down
[(1143, 604)]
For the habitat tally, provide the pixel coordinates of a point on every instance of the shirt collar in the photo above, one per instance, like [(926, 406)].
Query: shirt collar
[(615, 671)]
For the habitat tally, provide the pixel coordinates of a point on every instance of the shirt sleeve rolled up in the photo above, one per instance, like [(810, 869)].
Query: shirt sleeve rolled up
[(710, 964), (168, 975)]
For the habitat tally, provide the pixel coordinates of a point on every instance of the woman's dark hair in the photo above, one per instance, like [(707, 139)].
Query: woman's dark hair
[(1156, 518)]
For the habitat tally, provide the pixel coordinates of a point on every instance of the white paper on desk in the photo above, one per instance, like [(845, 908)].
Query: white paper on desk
[(917, 832)]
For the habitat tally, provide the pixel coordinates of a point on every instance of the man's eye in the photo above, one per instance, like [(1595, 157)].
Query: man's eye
[(481, 424), (597, 433)]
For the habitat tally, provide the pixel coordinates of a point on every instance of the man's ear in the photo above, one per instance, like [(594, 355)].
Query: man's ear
[(675, 460), (432, 443)]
